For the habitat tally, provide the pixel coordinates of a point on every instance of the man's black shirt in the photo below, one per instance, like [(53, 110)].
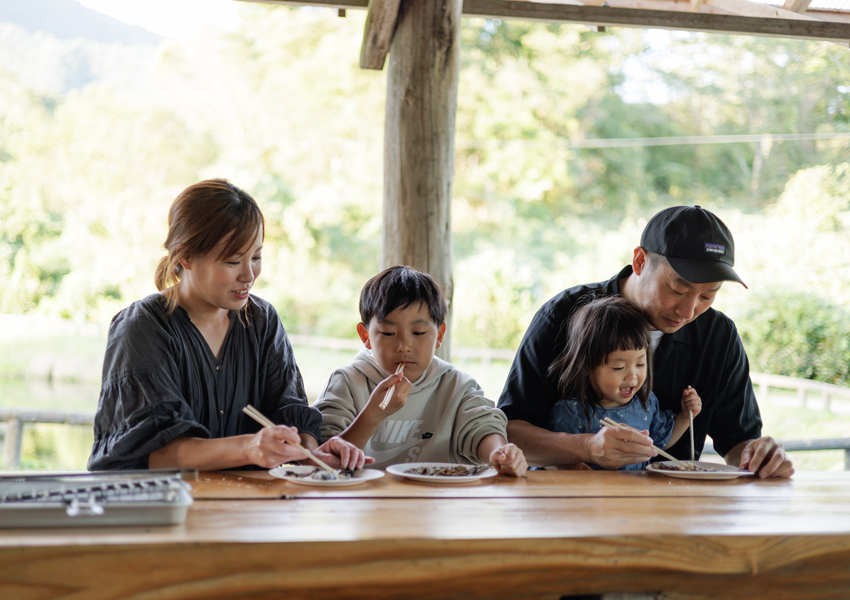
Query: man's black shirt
[(706, 354)]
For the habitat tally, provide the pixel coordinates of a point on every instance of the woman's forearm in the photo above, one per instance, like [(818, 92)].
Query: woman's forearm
[(202, 454)]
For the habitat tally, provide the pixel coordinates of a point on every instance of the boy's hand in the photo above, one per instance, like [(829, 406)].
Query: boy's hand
[(509, 460), (339, 454), (691, 401), (397, 401)]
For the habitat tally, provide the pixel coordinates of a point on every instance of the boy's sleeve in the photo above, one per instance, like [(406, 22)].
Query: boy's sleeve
[(476, 418), (336, 403)]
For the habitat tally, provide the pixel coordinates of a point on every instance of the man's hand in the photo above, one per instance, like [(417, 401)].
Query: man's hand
[(765, 457), (612, 448)]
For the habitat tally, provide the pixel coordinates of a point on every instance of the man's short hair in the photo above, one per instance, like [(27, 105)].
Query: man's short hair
[(653, 260), (400, 287)]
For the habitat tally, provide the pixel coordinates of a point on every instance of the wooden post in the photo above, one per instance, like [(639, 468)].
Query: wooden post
[(419, 132), (14, 436)]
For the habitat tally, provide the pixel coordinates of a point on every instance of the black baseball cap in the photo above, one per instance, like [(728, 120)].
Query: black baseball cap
[(698, 245)]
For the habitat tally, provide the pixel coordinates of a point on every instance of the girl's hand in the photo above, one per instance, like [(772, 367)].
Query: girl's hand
[(272, 446), (691, 401), (339, 454), (509, 460), (397, 401)]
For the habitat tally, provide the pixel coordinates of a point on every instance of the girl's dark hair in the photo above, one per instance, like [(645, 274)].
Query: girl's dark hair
[(399, 287), (200, 217), (595, 330)]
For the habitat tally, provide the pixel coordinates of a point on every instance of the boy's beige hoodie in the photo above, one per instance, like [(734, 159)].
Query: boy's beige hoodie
[(444, 418)]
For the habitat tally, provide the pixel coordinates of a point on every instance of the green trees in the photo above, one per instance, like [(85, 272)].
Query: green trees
[(281, 108)]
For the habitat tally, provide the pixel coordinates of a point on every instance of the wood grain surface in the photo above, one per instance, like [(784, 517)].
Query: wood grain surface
[(538, 484), (766, 539)]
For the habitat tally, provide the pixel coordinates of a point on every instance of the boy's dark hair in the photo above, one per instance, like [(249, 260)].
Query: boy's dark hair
[(596, 329), (399, 287)]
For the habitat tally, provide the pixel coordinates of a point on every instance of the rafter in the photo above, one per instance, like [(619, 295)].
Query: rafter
[(797, 6), (745, 8), (378, 33)]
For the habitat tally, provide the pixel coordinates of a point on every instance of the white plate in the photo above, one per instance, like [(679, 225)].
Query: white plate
[(720, 471), (401, 469), (360, 476)]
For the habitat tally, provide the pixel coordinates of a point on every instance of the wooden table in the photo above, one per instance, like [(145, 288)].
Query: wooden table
[(552, 534)]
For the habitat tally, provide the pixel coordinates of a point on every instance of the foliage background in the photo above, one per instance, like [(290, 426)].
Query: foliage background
[(281, 108), (97, 137)]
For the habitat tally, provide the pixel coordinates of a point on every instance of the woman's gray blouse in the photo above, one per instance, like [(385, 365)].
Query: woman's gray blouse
[(161, 381)]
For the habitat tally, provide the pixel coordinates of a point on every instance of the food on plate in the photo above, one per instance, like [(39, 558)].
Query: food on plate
[(671, 466), (321, 475), (453, 471)]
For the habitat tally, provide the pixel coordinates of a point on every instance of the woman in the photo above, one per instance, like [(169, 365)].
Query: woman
[(180, 365)]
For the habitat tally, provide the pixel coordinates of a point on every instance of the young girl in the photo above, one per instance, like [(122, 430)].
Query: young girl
[(606, 365), (181, 365)]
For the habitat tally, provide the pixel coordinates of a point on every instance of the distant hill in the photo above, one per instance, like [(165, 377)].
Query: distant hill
[(68, 20)]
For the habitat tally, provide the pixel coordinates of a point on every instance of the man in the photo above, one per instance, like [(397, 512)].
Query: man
[(685, 255)]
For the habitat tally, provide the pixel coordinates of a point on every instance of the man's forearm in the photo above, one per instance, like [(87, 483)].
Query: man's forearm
[(733, 457), (543, 447)]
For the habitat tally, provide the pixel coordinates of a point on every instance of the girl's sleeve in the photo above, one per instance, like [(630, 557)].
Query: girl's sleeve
[(337, 405), (661, 425), (284, 397), (141, 407), (476, 418)]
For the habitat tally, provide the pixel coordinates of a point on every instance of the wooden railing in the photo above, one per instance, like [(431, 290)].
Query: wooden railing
[(763, 382), (14, 419), (805, 446)]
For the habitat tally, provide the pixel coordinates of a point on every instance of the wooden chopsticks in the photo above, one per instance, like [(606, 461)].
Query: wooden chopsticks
[(262, 420), (386, 401), (679, 463), (691, 416)]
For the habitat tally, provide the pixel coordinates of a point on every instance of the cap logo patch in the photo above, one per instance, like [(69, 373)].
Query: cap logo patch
[(715, 248)]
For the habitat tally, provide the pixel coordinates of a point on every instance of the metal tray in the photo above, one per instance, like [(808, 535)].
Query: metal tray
[(114, 498)]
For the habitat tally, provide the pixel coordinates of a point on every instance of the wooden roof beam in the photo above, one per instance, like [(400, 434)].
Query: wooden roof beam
[(800, 27), (378, 33)]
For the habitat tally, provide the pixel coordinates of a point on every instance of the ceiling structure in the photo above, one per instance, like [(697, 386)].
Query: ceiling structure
[(827, 20)]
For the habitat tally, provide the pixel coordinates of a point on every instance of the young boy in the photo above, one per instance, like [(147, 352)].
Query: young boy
[(436, 413)]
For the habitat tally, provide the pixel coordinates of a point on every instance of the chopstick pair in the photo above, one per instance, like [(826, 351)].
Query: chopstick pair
[(265, 422), (691, 418), (386, 401), (679, 463)]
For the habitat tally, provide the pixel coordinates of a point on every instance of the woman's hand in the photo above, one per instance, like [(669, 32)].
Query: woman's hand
[(509, 460), (339, 454), (273, 446)]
